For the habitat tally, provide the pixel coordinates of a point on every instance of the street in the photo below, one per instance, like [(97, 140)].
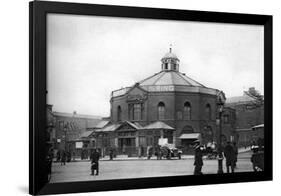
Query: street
[(120, 169)]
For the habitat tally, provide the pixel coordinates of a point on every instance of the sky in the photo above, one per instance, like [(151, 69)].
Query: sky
[(90, 56)]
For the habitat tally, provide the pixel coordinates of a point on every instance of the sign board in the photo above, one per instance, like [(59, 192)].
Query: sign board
[(78, 144), (162, 141)]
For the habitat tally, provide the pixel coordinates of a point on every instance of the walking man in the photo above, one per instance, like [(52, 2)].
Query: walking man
[(236, 154), (229, 154), (95, 156), (198, 160)]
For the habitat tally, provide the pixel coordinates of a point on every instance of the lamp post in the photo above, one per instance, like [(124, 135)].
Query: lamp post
[(220, 170)]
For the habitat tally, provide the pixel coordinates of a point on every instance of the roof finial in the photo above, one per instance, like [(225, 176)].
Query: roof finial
[(170, 48)]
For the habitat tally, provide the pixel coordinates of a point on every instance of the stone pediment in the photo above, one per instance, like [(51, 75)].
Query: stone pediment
[(136, 94)]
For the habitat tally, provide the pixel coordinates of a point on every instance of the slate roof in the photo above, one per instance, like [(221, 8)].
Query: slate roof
[(170, 78), (109, 128), (86, 134), (101, 124), (240, 99), (158, 125)]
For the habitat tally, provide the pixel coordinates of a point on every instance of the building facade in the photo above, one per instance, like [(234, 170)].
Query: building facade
[(249, 109), (167, 106), (69, 131)]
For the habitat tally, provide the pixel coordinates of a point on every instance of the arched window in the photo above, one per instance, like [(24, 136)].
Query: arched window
[(136, 111), (187, 111), (161, 111), (119, 113), (208, 112)]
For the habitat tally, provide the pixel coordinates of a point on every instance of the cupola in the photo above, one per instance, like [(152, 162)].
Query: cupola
[(170, 62)]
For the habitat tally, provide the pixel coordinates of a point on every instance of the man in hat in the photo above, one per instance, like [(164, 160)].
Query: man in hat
[(198, 157), (229, 154), (95, 156)]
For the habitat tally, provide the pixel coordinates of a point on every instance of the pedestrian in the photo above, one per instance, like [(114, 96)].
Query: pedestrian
[(229, 157), (236, 154), (198, 157), (73, 155), (157, 152), (95, 156), (58, 155), (63, 157), (257, 159), (111, 154)]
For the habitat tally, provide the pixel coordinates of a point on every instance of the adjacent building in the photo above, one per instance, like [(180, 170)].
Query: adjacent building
[(249, 109), (68, 131)]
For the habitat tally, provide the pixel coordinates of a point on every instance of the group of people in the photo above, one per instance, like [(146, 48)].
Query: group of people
[(63, 156), (230, 152)]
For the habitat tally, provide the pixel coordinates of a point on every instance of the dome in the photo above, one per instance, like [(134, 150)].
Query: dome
[(170, 55), (169, 79)]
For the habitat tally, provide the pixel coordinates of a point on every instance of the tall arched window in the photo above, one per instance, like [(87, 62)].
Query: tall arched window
[(208, 112), (119, 113), (136, 111), (161, 111), (187, 111)]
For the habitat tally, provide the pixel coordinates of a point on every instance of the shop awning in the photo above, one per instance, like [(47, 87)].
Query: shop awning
[(258, 126), (190, 136)]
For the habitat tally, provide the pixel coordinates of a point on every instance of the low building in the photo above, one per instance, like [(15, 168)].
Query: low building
[(68, 131)]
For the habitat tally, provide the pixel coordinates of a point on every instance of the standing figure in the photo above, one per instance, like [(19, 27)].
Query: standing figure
[(149, 152), (235, 153), (111, 154), (198, 157), (257, 159), (229, 157), (49, 161), (58, 155), (95, 156), (63, 157)]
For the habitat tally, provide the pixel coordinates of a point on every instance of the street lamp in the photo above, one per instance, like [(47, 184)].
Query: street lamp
[(220, 158)]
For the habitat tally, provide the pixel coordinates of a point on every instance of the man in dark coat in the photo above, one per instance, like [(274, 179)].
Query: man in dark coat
[(229, 154), (95, 156), (236, 153), (198, 158), (63, 157)]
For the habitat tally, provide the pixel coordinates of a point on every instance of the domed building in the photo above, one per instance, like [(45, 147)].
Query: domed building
[(166, 107)]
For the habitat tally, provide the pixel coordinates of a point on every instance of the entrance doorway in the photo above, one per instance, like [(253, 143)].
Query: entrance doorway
[(127, 146)]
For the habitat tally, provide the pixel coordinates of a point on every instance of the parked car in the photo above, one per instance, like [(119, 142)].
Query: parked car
[(169, 152)]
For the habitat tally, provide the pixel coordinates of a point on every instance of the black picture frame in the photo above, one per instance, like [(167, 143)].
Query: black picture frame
[(37, 101)]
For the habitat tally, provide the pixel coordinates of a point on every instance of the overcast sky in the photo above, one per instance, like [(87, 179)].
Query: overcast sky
[(90, 56)]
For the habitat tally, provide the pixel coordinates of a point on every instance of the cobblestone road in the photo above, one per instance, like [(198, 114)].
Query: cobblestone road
[(120, 169)]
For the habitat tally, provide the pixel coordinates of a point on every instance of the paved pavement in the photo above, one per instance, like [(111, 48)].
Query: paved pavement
[(137, 168)]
